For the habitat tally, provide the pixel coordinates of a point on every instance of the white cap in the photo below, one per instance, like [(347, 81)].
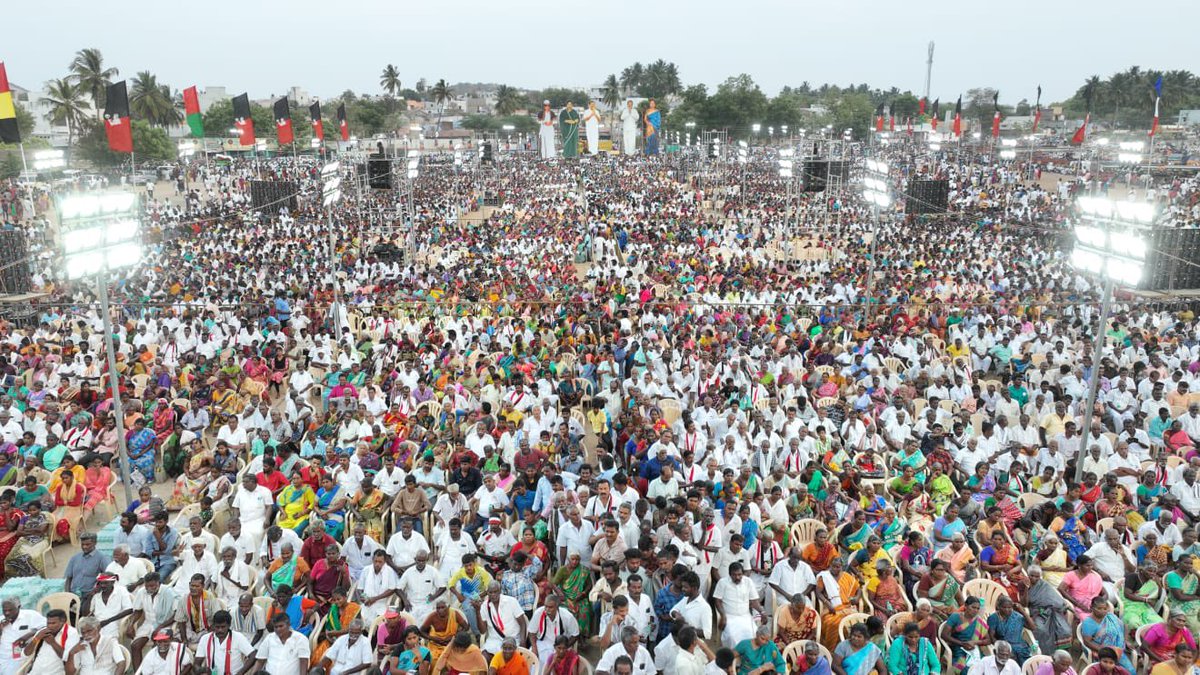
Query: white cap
[(546, 102)]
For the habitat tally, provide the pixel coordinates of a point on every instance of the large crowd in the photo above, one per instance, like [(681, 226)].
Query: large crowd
[(633, 417)]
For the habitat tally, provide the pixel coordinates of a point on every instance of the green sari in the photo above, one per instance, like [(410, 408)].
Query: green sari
[(941, 492), (1138, 614), (575, 585), (568, 128), (916, 460), (1191, 608), (286, 574)]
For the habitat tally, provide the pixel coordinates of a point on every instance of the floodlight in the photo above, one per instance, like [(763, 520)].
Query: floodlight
[(1008, 154)]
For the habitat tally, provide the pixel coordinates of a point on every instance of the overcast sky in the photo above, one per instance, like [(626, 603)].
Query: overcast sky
[(264, 46)]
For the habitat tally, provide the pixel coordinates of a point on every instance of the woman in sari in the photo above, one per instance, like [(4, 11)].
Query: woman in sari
[(1069, 531), (945, 527), (913, 559), (331, 507), (857, 655), (163, 420), (853, 535), (927, 621), (863, 564), (837, 591), (1003, 561), (328, 574), (368, 506), (288, 569), (341, 612), (564, 660), (1100, 628), (820, 553), (26, 559), (917, 510), (8, 469), (412, 658), (1141, 593), (462, 656), (140, 444), (888, 597), (964, 632), (1008, 624), (1050, 613), (189, 486), (910, 457), (982, 484), (68, 502), (1149, 552), (1160, 640), (912, 654), (1182, 586), (574, 581), (10, 526), (795, 621), (440, 627), (890, 529), (941, 488), (96, 480), (296, 503), (959, 557), (940, 588), (1082, 585), (871, 504)]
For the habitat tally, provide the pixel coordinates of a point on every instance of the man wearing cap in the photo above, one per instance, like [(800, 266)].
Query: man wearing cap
[(167, 658), (110, 604), (223, 651), (496, 542)]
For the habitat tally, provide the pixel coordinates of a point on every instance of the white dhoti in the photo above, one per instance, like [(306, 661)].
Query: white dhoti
[(545, 649), (629, 140), (593, 138), (546, 141), (737, 628), (375, 610)]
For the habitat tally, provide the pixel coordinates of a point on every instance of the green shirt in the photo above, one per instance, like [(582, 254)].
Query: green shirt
[(52, 458), (24, 496)]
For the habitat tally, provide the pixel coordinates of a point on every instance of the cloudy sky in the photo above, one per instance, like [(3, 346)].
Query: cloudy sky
[(326, 47)]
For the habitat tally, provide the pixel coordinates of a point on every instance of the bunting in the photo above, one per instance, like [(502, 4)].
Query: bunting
[(343, 125), (242, 120), (958, 118), (314, 113)]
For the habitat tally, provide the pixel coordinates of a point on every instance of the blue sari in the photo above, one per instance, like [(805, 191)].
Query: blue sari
[(336, 520), (141, 443), (1108, 633), (653, 126)]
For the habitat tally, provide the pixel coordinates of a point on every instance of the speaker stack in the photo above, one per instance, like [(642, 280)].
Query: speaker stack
[(14, 266), (1173, 261), (268, 196), (379, 173), (816, 175), (486, 151), (927, 197)]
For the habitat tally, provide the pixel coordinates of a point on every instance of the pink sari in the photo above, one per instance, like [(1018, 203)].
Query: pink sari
[(96, 482)]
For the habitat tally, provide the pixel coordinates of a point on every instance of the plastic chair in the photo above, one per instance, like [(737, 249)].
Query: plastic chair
[(988, 591), (1028, 500), (895, 623), (804, 531), (848, 621), (535, 666), (68, 602), (1034, 662)]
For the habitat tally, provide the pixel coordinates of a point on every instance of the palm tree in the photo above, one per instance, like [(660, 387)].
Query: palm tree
[(152, 101), (65, 101), (631, 77), (508, 101), (390, 80), (89, 72), (441, 94), (611, 96)]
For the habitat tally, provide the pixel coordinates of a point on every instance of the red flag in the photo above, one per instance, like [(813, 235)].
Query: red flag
[(921, 106), (1037, 117), (314, 112), (117, 125), (958, 117), (343, 125), (242, 120), (1081, 133), (996, 125), (891, 122), (283, 121), (908, 123), (933, 116)]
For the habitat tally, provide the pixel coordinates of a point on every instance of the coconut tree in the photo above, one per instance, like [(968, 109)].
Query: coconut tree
[(611, 96), (152, 101), (65, 105), (89, 72), (390, 80), (508, 101), (441, 94)]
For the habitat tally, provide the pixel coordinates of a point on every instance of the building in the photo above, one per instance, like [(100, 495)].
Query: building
[(1188, 118)]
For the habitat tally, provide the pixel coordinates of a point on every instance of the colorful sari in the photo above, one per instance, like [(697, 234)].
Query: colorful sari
[(1109, 632), (944, 596), (446, 633), (325, 579), (96, 482), (1068, 533), (1011, 630), (295, 507), (1014, 581), (575, 585), (819, 559), (856, 540), (1162, 644), (842, 594), (141, 455), (370, 513), (335, 521), (1137, 613), (789, 628), (9, 540), (891, 533), (286, 573), (336, 620), (975, 629), (941, 492), (916, 460), (1188, 584), (917, 511), (653, 126), (889, 598)]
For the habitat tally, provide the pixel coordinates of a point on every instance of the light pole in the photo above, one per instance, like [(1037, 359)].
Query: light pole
[(101, 232), (876, 191), (743, 157), (1109, 243), (786, 172), (331, 193)]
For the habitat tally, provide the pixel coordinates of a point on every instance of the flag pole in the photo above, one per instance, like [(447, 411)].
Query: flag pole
[(25, 167)]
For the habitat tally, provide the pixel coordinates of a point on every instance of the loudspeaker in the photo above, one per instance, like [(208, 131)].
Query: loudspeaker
[(839, 169), (486, 152), (14, 266), (379, 173), (713, 151), (927, 196), (268, 196), (816, 175), (1172, 260)]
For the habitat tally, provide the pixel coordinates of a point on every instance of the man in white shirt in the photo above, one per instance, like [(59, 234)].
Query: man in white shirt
[(420, 586), (549, 622), (404, 546), (233, 435), (223, 651), (631, 648), (378, 583), (252, 505), (500, 617), (168, 657), (390, 478), (17, 624), (1001, 662), (790, 576), (96, 654), (1188, 493), (350, 653), (692, 608), (283, 650), (358, 550), (736, 596)]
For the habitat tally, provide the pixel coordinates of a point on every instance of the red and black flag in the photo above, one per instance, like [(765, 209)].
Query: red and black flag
[(242, 120), (9, 131), (1037, 110), (891, 119), (314, 112), (996, 115), (958, 117), (283, 122), (117, 125), (879, 118), (937, 110), (921, 106), (343, 124)]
